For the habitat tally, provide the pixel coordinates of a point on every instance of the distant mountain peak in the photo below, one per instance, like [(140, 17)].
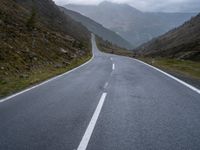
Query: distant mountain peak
[(130, 23), (118, 6), (107, 3)]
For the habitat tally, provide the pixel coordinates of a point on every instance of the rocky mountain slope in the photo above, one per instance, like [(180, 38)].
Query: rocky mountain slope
[(36, 39), (51, 17), (98, 29), (133, 25), (182, 42)]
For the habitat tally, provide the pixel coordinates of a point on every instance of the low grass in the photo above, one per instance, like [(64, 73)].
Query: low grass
[(108, 47), (13, 83), (187, 68)]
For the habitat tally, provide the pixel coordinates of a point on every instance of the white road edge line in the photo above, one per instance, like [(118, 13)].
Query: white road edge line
[(26, 90), (113, 67), (86, 137), (172, 77)]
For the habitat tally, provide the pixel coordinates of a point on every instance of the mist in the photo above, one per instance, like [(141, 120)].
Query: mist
[(146, 5)]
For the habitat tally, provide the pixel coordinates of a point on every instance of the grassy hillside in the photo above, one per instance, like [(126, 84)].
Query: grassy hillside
[(50, 16), (107, 47), (37, 42), (180, 43)]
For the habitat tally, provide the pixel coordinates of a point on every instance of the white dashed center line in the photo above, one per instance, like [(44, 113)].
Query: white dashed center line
[(86, 137), (113, 67)]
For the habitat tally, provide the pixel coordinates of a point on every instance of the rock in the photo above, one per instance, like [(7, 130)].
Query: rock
[(35, 58), (33, 43), (66, 63), (24, 76), (74, 56), (2, 68), (18, 52), (1, 22), (10, 46), (27, 49), (63, 51), (152, 61), (58, 65), (45, 39), (32, 55)]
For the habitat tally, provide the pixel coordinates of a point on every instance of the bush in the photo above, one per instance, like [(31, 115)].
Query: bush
[(31, 20)]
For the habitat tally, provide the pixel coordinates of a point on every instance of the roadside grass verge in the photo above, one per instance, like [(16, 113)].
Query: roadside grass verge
[(12, 83), (186, 68)]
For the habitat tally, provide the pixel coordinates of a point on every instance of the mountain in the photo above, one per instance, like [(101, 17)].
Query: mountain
[(182, 42), (98, 29), (133, 25), (50, 16), (37, 40)]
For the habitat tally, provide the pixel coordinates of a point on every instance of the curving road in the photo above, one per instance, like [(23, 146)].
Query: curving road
[(110, 103)]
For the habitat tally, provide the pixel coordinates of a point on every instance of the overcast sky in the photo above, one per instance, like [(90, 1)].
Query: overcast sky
[(148, 5)]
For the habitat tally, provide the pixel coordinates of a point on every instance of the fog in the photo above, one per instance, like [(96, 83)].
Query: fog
[(147, 5)]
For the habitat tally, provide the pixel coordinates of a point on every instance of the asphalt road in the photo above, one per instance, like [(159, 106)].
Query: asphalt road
[(111, 103)]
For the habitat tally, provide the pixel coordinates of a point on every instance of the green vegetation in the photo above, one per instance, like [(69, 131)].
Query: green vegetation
[(187, 68), (13, 83), (108, 47), (31, 20)]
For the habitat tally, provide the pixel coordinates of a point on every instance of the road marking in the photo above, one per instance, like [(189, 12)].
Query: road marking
[(113, 67), (172, 77), (86, 137), (106, 85), (111, 58), (54, 78)]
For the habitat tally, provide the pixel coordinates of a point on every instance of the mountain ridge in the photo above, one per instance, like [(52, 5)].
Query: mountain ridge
[(130, 23), (182, 42), (98, 29)]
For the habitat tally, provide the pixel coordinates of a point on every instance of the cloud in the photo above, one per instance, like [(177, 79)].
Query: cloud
[(147, 5)]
